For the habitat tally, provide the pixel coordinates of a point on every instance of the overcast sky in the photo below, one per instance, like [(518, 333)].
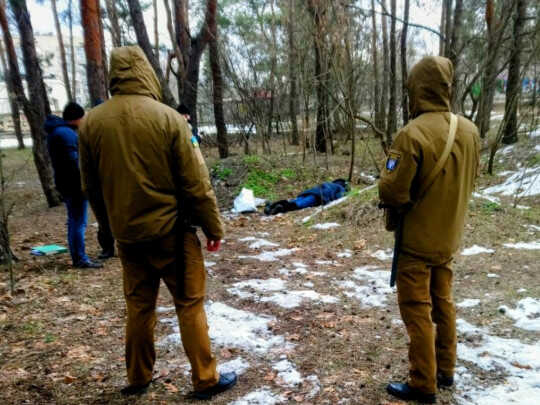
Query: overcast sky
[(427, 14)]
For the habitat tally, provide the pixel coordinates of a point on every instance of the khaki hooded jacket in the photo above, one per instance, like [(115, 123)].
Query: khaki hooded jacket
[(138, 156), (433, 228)]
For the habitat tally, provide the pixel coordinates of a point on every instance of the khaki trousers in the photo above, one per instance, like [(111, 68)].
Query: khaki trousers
[(144, 265), (425, 298)]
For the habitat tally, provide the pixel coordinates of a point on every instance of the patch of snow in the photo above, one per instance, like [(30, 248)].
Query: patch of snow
[(526, 314), (492, 199), (309, 284), (284, 271), (271, 284), (345, 253), (397, 322), (268, 256), (468, 303), (163, 310), (327, 206), (517, 362), (238, 365), (375, 289), (292, 299), (383, 255), (493, 275), (533, 228), (475, 249), (507, 150), (315, 386), (523, 245), (263, 234), (287, 373), (209, 263), (258, 243), (523, 183), (262, 396), (325, 226), (523, 207), (324, 262), (231, 327), (522, 290)]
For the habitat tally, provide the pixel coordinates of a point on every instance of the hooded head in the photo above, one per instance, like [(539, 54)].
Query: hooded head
[(131, 73), (430, 85)]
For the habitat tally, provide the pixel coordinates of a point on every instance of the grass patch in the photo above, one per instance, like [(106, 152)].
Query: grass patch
[(222, 173)]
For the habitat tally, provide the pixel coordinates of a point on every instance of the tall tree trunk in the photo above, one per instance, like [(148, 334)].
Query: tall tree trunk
[(191, 49), (13, 104), (392, 102), (442, 28), (38, 108), (513, 87), (72, 52), (375, 57), (217, 86), (95, 72), (103, 53), (293, 93), (63, 59), (404, 99), (144, 42), (453, 52), (447, 26), (116, 34), (156, 30), (386, 75)]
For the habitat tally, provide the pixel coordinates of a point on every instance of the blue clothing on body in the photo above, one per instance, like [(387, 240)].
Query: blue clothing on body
[(63, 144), (320, 195)]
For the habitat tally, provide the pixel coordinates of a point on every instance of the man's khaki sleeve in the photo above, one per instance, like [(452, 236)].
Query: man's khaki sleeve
[(398, 173), (196, 191)]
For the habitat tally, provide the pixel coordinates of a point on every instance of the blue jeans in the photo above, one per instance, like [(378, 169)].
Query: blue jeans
[(305, 201), (76, 226)]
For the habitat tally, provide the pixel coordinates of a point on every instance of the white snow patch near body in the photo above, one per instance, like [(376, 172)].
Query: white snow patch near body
[(523, 245), (533, 228), (493, 275), (238, 365), (258, 243), (468, 303), (233, 327), (163, 310), (308, 284), (492, 199), (268, 256), (375, 289), (327, 206), (383, 255), (315, 386), (519, 361), (325, 262), (345, 253), (262, 396), (271, 284), (526, 314), (523, 183), (325, 226), (287, 373), (209, 263), (475, 250)]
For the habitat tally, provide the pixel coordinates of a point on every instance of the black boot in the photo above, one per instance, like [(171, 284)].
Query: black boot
[(408, 393), (444, 381), (106, 254), (226, 381), (134, 389)]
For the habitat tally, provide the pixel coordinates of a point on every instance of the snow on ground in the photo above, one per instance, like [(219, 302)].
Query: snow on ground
[(526, 314), (518, 364), (468, 303), (523, 183), (492, 275), (345, 253), (270, 256), (523, 245), (475, 249), (292, 299), (262, 396), (532, 228), (325, 226), (271, 284), (231, 327), (324, 208), (258, 243), (383, 255), (287, 373), (492, 199), (209, 263), (238, 365), (374, 290)]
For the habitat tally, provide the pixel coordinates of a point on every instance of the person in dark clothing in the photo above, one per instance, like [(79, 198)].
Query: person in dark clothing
[(62, 142), (319, 195), (184, 111), (104, 233)]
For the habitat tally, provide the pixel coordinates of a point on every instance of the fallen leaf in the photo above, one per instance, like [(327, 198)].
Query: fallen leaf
[(225, 353), (298, 398), (271, 376), (68, 379), (522, 366), (360, 244), (294, 337)]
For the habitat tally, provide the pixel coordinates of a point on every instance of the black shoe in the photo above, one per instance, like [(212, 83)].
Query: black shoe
[(134, 389), (444, 381), (226, 381), (89, 265), (106, 254), (407, 393)]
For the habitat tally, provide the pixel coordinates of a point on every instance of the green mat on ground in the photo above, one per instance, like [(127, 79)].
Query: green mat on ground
[(47, 250)]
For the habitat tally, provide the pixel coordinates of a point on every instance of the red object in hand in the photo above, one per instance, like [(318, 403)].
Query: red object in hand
[(213, 245)]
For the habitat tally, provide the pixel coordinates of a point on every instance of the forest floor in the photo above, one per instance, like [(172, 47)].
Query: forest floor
[(298, 304)]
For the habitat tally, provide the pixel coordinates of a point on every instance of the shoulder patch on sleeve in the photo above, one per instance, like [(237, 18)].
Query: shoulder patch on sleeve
[(393, 161), (194, 141)]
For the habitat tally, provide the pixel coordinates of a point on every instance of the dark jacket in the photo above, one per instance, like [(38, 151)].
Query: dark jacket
[(63, 144), (325, 192)]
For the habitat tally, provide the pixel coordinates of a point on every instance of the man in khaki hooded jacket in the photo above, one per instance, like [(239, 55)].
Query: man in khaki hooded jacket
[(138, 156), (433, 227)]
